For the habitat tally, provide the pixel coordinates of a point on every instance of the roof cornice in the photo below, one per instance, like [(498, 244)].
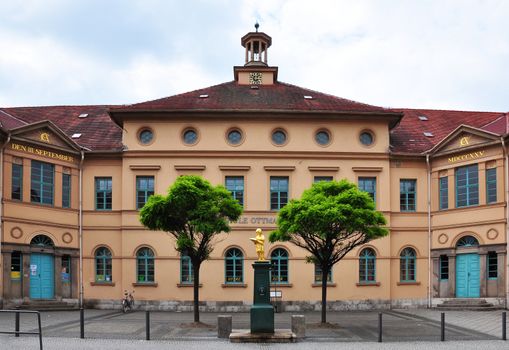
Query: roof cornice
[(118, 115)]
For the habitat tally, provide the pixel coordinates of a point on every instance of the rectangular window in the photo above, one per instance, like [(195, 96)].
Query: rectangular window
[(467, 186), (491, 185), (278, 192), (234, 266), (444, 192), (444, 267), (318, 275), (66, 269), (407, 195), (235, 184), (66, 190), (368, 184), (16, 264), (103, 193), (144, 189), (41, 182), (492, 265), (17, 182), (323, 178), (186, 270)]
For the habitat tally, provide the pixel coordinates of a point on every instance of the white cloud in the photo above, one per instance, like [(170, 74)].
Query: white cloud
[(41, 71), (398, 53), (438, 54), (147, 78)]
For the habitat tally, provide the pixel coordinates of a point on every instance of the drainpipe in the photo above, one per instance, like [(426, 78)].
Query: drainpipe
[(1, 216), (506, 184), (80, 229), (428, 179)]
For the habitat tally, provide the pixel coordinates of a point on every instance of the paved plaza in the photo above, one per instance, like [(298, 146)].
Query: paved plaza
[(113, 330)]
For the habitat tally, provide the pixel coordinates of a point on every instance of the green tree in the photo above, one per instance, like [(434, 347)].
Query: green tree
[(194, 212), (329, 220)]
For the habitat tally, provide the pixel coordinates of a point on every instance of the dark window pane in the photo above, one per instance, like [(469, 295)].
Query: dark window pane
[(17, 181), (467, 186), (491, 185), (235, 184), (444, 267), (278, 192), (492, 265)]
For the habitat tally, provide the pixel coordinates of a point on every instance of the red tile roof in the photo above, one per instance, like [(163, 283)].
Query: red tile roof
[(499, 126), (8, 121), (99, 132), (408, 136), (232, 96)]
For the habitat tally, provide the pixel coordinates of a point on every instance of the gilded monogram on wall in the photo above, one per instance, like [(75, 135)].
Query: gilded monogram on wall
[(45, 137)]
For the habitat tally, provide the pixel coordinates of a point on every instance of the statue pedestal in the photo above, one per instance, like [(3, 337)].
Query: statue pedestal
[(262, 312)]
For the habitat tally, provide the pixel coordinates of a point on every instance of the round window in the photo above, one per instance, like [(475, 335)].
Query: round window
[(146, 136), (366, 138), (279, 137), (234, 137), (190, 136), (322, 137)]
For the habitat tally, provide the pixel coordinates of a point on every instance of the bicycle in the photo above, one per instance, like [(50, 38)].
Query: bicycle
[(127, 301)]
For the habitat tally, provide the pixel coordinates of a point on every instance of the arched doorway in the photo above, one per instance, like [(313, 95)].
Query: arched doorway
[(468, 279), (42, 269)]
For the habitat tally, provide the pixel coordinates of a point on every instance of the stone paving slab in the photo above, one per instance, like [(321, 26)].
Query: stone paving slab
[(398, 326), (123, 344), (488, 322)]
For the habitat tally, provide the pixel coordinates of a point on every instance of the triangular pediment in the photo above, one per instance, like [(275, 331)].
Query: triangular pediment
[(464, 138), (45, 134)]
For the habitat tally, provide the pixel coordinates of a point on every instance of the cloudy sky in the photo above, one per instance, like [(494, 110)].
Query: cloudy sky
[(417, 54)]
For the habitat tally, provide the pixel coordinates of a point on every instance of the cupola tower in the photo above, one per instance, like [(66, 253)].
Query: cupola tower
[(256, 70)]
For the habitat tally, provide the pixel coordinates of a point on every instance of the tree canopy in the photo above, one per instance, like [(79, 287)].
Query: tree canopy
[(194, 212), (329, 220)]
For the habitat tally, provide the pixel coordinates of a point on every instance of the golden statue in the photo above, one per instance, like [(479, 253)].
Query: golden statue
[(259, 241)]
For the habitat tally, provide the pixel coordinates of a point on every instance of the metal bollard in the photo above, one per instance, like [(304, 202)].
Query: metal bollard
[(16, 322), (40, 329), (147, 324), (82, 323), (379, 327), (442, 326), (504, 325)]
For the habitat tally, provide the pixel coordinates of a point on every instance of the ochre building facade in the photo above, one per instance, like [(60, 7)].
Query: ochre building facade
[(73, 179)]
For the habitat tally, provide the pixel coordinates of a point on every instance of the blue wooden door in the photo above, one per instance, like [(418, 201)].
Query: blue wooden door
[(42, 276), (467, 276)]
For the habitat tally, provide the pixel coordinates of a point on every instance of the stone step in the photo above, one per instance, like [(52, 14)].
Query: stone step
[(471, 308), (465, 302), (474, 304), (463, 306), (44, 305)]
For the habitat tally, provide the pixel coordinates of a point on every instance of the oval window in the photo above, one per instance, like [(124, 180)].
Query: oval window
[(146, 136), (279, 137), (190, 136), (366, 138), (322, 137), (234, 137)]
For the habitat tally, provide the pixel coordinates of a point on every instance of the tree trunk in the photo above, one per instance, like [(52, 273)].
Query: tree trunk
[(325, 273), (196, 292)]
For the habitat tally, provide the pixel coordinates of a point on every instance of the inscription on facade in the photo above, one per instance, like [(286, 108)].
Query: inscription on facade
[(41, 152), (255, 220), (466, 156)]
